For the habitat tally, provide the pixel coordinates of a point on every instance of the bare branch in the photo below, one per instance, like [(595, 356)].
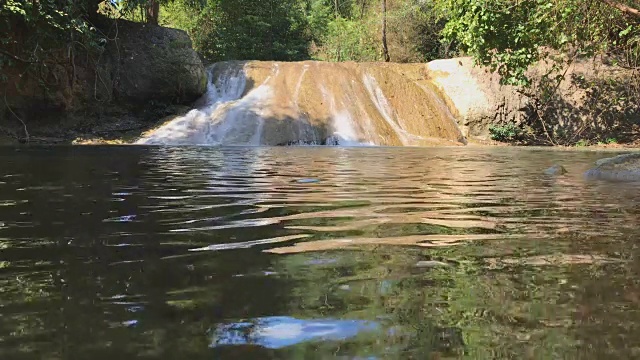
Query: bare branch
[(622, 7), (26, 132)]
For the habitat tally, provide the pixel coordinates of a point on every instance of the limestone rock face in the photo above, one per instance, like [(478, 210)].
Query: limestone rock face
[(620, 168), (154, 63), (476, 97), (478, 100)]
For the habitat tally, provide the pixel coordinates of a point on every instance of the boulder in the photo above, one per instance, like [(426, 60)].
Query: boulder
[(624, 167), (142, 67), (156, 64)]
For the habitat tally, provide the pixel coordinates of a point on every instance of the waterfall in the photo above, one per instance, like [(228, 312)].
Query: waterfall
[(342, 124), (382, 104), (309, 103), (198, 126)]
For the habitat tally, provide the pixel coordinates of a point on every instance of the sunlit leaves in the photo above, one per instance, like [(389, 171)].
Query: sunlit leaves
[(14, 7)]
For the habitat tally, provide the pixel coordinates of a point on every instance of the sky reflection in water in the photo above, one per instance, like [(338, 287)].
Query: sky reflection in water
[(282, 331)]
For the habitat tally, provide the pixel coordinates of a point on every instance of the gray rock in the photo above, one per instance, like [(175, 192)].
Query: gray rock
[(431, 264), (619, 168), (555, 170), (155, 63)]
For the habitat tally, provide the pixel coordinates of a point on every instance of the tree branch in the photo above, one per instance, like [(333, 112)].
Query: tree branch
[(622, 7)]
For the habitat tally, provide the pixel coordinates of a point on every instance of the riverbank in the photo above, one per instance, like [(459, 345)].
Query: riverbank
[(126, 133), (414, 97), (118, 126)]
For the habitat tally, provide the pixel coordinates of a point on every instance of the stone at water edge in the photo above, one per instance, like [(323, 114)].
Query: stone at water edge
[(555, 170), (624, 167)]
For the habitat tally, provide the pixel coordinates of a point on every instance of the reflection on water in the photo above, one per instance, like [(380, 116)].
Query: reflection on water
[(349, 253)]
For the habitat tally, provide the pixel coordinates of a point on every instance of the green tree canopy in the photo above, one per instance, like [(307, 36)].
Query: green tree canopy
[(511, 35)]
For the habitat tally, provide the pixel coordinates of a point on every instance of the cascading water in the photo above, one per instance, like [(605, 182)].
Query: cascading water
[(344, 128), (198, 126), (382, 104), (270, 103)]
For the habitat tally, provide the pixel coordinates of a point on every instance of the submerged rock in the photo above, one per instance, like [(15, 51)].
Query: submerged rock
[(620, 168), (555, 170)]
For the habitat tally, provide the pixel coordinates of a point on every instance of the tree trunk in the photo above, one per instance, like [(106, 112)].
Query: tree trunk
[(385, 49), (153, 8)]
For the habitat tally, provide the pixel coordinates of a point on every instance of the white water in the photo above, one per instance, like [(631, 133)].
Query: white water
[(195, 127), (242, 123), (228, 118), (344, 128)]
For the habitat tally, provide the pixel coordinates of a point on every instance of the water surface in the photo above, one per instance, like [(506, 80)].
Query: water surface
[(314, 253)]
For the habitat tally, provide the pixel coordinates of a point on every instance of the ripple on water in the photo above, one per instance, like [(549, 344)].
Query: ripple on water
[(325, 252)]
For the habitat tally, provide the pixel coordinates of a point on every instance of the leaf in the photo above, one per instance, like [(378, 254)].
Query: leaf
[(626, 31)]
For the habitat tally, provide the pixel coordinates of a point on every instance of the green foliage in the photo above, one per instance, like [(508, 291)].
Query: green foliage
[(582, 143), (262, 30), (348, 40), (51, 18), (319, 14), (608, 141), (415, 32), (510, 36), (180, 15), (39, 32), (299, 29), (243, 29), (353, 32), (507, 132)]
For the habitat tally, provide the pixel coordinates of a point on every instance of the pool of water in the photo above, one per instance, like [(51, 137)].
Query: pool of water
[(315, 253)]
